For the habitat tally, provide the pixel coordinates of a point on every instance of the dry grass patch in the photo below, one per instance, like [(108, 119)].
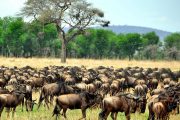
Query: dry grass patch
[(42, 62)]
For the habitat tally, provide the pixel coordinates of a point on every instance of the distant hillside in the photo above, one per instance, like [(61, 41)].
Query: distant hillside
[(136, 29)]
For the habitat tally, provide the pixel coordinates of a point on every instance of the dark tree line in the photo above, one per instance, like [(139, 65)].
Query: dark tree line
[(21, 39)]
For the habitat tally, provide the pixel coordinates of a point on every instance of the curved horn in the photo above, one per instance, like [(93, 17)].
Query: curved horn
[(130, 96), (34, 100)]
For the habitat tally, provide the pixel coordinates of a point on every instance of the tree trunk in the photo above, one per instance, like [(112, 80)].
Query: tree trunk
[(130, 57), (63, 51)]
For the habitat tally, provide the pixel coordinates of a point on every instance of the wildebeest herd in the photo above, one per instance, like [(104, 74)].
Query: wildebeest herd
[(112, 90)]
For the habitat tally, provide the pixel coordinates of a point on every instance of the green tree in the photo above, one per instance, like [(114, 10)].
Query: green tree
[(112, 47), (1, 35), (121, 46), (76, 14), (150, 45), (30, 45), (131, 44), (173, 40), (4, 29), (101, 43), (14, 27), (172, 46), (85, 46), (150, 39)]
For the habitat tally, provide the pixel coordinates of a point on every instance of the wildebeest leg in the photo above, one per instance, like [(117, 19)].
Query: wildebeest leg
[(41, 98), (8, 111), (127, 114), (46, 102), (40, 101), (64, 112), (26, 103), (56, 110), (114, 115), (1, 109), (106, 115), (83, 113), (177, 109), (151, 116), (51, 99), (13, 111), (102, 114), (22, 104)]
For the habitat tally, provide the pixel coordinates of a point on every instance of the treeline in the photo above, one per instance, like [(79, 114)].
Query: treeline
[(21, 39)]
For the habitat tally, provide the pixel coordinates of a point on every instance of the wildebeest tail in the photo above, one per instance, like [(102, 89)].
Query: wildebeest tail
[(1, 102), (102, 105), (56, 110), (102, 113)]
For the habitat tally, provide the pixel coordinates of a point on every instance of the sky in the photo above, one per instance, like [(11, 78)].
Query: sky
[(159, 14)]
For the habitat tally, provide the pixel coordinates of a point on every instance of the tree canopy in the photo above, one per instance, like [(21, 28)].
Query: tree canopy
[(21, 39), (77, 15)]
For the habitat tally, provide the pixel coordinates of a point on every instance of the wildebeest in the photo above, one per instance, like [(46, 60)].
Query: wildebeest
[(27, 91), (160, 105), (114, 87), (126, 103), (104, 80), (139, 90), (74, 101), (2, 82), (160, 110), (4, 91), (157, 91), (11, 100), (91, 88), (153, 83), (29, 103), (129, 82), (53, 89)]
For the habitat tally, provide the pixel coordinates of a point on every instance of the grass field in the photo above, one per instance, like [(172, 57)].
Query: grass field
[(44, 114)]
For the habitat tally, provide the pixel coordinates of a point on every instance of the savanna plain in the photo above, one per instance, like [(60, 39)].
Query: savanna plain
[(92, 114)]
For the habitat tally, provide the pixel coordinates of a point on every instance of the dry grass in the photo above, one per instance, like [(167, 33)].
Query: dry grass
[(42, 62)]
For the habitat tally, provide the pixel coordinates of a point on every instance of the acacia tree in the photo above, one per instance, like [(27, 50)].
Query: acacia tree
[(77, 15)]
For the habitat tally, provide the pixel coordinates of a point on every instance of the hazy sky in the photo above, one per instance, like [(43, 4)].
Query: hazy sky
[(160, 14)]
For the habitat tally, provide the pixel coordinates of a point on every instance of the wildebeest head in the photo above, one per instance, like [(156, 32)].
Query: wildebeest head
[(137, 102), (91, 98), (98, 97), (133, 102)]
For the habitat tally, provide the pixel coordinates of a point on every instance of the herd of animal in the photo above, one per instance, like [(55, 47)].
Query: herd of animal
[(127, 90)]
